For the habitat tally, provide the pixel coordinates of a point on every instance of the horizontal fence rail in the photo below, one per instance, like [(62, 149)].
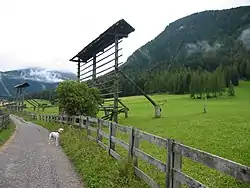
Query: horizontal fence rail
[(174, 150)]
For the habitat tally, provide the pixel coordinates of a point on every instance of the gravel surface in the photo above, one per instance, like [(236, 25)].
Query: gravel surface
[(30, 162)]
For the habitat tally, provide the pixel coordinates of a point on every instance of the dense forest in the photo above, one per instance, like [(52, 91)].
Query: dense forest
[(186, 80), (45, 94)]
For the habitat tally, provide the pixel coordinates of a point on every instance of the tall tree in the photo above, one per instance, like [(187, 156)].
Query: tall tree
[(77, 98)]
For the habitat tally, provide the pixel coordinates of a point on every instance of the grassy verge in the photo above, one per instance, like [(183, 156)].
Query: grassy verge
[(6, 133), (94, 165)]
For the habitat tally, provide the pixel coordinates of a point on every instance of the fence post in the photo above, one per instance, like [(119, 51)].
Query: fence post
[(87, 125), (131, 142), (169, 164), (177, 164), (99, 128), (112, 132), (80, 121), (136, 142)]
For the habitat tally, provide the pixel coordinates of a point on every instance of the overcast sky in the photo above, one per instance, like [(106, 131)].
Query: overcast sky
[(47, 33)]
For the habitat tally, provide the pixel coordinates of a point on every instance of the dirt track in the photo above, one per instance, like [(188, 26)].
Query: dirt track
[(28, 161)]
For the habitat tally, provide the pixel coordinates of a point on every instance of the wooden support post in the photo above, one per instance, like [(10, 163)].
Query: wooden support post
[(112, 132), (78, 70), (157, 111), (17, 98), (106, 112), (99, 129), (174, 161), (178, 166), (131, 143), (205, 102), (80, 121), (169, 168), (116, 83), (136, 143), (22, 98), (87, 125), (126, 113)]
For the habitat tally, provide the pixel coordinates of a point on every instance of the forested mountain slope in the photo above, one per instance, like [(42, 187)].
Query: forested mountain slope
[(203, 39), (190, 49)]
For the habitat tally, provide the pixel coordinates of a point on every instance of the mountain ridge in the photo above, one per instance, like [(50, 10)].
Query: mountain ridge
[(39, 79), (207, 31)]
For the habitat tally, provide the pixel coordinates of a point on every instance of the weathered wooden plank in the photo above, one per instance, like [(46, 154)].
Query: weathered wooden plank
[(93, 120), (148, 158), (102, 145), (120, 142), (105, 123), (84, 117), (76, 124), (146, 178), (122, 128), (91, 138), (162, 142), (115, 155), (104, 134), (92, 128), (185, 179), (83, 126), (236, 170), (77, 117)]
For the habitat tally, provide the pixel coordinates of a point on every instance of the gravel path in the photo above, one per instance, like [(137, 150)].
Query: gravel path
[(30, 162)]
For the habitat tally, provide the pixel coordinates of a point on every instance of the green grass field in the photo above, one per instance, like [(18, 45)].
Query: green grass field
[(49, 110), (224, 131)]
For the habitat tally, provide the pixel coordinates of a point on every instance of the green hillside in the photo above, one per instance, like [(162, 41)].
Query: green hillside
[(202, 39)]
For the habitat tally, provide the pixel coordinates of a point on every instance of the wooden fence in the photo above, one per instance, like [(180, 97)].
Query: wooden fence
[(174, 150), (4, 119)]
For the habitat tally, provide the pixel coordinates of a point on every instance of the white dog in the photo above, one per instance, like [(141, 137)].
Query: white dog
[(56, 136)]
